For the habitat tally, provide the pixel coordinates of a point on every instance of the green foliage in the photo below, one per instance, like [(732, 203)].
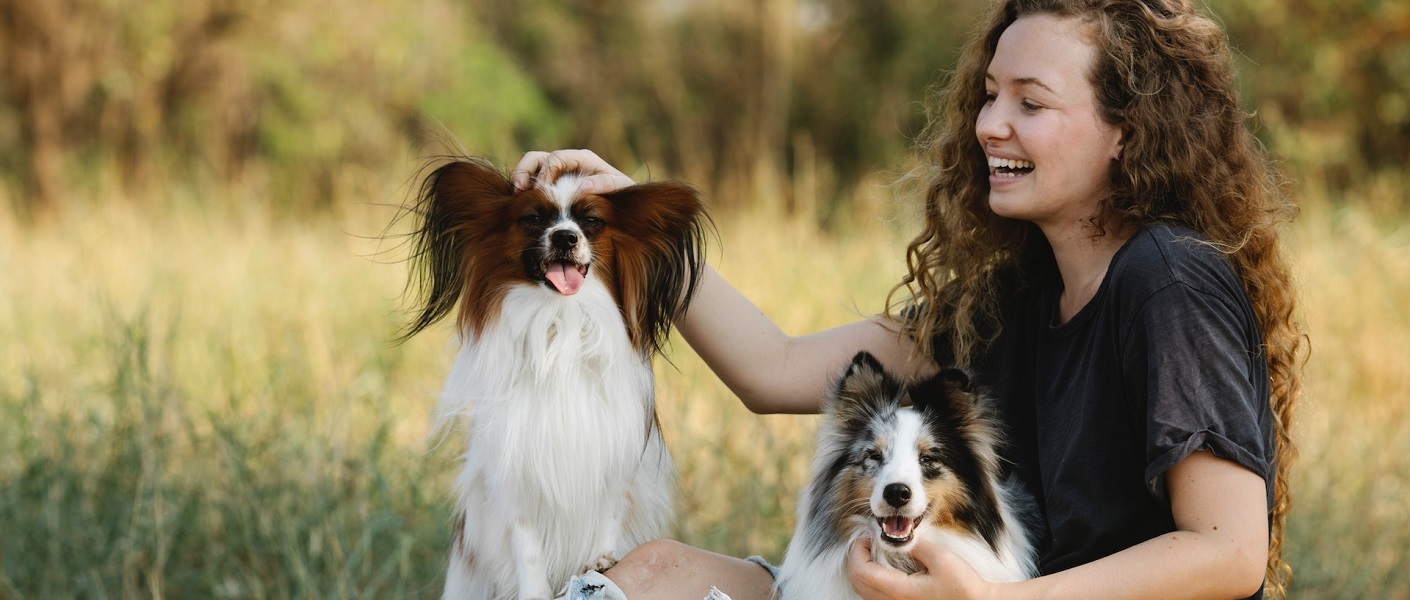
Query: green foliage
[(312, 103), (139, 487), (490, 107), (1330, 79)]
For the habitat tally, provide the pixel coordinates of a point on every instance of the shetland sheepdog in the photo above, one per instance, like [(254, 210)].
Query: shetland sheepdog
[(899, 474), (564, 297)]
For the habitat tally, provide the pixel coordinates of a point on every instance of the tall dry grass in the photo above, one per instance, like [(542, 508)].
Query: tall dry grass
[(206, 403)]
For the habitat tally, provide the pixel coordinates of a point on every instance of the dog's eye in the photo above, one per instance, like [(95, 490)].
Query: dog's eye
[(593, 222), (532, 219), (931, 464), (872, 456)]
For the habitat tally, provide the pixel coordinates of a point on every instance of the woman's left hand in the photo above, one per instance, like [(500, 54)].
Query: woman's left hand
[(943, 575)]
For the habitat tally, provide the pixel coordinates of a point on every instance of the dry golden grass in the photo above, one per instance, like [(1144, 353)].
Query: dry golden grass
[(206, 403)]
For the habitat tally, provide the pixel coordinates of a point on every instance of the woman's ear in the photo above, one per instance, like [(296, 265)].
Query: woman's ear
[(1123, 131)]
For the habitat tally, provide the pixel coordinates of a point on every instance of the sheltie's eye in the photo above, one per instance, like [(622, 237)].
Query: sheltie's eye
[(872, 457), (931, 465)]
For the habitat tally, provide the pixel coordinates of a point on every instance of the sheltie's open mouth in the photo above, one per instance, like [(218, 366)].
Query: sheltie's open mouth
[(898, 530), (566, 277)]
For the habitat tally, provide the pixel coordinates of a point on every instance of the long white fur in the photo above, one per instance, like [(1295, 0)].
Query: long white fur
[(809, 575), (562, 472)]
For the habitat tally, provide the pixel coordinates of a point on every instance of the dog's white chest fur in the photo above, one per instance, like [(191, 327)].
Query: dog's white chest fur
[(563, 470)]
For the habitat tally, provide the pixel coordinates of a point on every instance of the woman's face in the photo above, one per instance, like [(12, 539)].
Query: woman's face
[(1050, 154)]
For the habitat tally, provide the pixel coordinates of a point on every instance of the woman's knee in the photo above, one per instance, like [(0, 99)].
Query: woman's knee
[(671, 569), (658, 555), (654, 565)]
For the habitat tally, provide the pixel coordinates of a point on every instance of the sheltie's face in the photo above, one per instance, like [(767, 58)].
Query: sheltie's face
[(902, 474), (902, 470)]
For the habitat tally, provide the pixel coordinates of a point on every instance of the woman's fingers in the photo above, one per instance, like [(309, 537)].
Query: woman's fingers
[(598, 175), (605, 182), (863, 572), (528, 168)]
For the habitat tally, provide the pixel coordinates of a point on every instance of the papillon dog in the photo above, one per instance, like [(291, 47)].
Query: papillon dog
[(564, 297), (899, 474)]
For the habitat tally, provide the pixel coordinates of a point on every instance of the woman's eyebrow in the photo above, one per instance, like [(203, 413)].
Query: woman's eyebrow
[(1023, 81)]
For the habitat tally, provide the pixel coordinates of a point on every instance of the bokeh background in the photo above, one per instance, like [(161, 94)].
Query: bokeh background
[(200, 281)]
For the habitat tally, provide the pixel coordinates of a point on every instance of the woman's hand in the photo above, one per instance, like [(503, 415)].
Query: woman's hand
[(943, 575), (598, 176)]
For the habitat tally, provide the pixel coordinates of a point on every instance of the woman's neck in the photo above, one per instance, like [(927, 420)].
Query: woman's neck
[(1082, 260)]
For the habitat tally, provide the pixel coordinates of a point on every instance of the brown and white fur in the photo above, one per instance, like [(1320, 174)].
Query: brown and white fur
[(899, 474), (563, 299)]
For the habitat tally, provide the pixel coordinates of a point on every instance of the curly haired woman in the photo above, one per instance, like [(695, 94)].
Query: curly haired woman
[(1101, 247)]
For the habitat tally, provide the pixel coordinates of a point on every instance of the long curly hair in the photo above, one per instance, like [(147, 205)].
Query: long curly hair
[(1164, 73)]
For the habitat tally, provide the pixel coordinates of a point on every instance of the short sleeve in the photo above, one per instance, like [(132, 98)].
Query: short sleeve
[(1194, 357)]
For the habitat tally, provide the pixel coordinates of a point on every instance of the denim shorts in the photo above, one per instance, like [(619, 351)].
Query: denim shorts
[(761, 561)]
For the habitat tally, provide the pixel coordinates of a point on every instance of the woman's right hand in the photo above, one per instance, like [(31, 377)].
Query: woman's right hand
[(598, 176)]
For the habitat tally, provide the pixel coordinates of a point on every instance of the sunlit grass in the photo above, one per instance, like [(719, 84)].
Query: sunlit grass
[(1350, 529), (207, 403)]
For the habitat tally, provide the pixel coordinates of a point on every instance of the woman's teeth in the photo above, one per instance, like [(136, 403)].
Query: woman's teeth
[(1006, 167)]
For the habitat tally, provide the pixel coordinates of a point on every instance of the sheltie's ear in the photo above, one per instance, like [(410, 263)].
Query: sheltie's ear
[(863, 391), (939, 389), (460, 204), (659, 256)]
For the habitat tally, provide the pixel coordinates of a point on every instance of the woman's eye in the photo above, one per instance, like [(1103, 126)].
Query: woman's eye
[(1030, 107)]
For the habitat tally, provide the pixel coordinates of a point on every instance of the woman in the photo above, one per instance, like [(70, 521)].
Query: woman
[(1100, 247)]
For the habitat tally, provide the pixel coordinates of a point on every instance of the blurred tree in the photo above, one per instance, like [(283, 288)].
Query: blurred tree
[(88, 78), (743, 97), (1331, 80), (35, 41), (793, 101)]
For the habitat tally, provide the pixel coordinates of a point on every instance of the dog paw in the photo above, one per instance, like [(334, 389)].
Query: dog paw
[(602, 563)]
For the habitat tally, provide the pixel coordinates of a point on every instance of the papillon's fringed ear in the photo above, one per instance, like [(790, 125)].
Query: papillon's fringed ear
[(451, 197), (864, 389), (660, 257)]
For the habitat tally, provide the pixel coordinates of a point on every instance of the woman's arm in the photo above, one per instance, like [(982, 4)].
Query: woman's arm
[(1219, 550), (770, 371)]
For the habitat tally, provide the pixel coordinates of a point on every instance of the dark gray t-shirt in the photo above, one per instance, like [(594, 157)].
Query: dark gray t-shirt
[(1165, 360)]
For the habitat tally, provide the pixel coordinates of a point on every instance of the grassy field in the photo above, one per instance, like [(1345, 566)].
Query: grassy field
[(206, 403)]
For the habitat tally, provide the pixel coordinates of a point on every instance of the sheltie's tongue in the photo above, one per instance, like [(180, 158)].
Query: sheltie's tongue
[(566, 278), (897, 529)]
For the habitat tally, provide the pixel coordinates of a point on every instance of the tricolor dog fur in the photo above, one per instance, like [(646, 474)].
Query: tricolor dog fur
[(898, 474), (561, 299)]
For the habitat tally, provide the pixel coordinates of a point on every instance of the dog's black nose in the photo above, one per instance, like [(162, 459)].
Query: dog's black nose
[(897, 494), (564, 239)]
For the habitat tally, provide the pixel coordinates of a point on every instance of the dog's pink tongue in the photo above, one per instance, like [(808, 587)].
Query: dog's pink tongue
[(896, 527), (565, 278)]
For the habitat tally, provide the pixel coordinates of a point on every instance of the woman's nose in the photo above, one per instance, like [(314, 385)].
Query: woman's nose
[(992, 123)]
